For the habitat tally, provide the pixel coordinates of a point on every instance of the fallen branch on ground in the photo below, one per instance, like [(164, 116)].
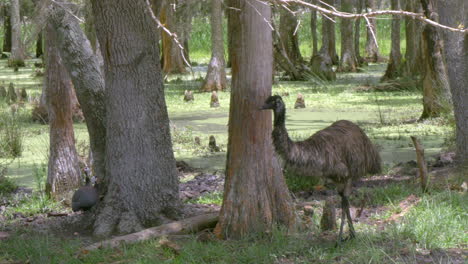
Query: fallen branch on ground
[(185, 226)]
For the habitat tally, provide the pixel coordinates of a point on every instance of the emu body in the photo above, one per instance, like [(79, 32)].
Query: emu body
[(85, 197), (341, 153)]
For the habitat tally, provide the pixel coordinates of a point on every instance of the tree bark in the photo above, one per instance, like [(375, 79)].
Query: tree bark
[(173, 61), (372, 51), (63, 175), (17, 55), (436, 88), (140, 164), (357, 33), (255, 194), (453, 13), (6, 30), (348, 61), (394, 64), (215, 79), (413, 57), (313, 28), (84, 69), (288, 35), (328, 48)]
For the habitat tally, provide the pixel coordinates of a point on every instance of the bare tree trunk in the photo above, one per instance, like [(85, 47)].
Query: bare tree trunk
[(17, 56), (348, 62), (184, 15), (255, 194), (413, 57), (140, 164), (357, 33), (88, 81), (453, 13), (215, 79), (39, 49), (393, 67), (6, 30), (436, 88), (64, 171), (372, 51), (313, 28), (289, 38), (173, 61)]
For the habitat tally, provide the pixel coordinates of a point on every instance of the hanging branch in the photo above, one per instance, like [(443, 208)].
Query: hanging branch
[(417, 16)]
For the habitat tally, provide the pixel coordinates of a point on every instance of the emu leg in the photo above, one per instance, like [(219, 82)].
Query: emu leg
[(345, 208), (340, 235)]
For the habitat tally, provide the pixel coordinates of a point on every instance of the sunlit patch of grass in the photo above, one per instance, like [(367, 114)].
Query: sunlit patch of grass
[(209, 198)]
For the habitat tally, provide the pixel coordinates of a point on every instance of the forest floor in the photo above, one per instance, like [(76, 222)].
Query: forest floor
[(394, 220)]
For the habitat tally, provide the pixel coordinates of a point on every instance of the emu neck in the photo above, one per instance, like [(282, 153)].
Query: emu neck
[(281, 139)]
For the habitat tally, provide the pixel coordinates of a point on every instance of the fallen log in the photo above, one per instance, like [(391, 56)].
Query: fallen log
[(185, 226)]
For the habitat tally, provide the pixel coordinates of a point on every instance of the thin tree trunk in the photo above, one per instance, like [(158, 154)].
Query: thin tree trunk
[(413, 57), (255, 194), (88, 81), (6, 30), (357, 33), (64, 171), (313, 28), (372, 51), (215, 79), (348, 62), (393, 67), (288, 35), (436, 88), (173, 61), (17, 56), (453, 13), (140, 164), (39, 49)]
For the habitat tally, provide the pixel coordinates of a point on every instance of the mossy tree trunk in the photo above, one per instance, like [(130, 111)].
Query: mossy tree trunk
[(17, 53), (348, 60), (372, 50), (256, 198), (394, 64), (63, 171), (215, 79), (413, 66), (436, 88), (140, 165)]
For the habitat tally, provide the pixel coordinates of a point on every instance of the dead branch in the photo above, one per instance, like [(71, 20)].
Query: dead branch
[(418, 16), (421, 162), (185, 226)]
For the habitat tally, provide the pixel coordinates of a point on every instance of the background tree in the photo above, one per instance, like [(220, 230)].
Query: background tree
[(172, 59), (348, 60), (357, 33), (313, 28), (140, 165), (436, 89), (63, 171), (372, 50), (289, 38), (255, 194), (39, 48), (17, 56), (413, 30), (215, 79), (453, 13), (6, 29), (394, 64)]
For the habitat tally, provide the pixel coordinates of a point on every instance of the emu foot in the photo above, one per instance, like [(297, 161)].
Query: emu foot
[(342, 240)]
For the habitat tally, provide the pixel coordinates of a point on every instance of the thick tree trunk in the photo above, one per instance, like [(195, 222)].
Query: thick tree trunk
[(173, 61), (288, 35), (140, 164), (255, 194), (215, 79), (64, 171), (453, 13), (372, 51), (413, 57), (6, 30), (394, 64), (39, 49), (17, 55), (84, 69), (436, 88), (348, 61), (313, 28), (357, 33)]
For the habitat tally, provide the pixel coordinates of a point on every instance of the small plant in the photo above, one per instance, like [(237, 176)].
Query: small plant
[(40, 177), (7, 186), (11, 136)]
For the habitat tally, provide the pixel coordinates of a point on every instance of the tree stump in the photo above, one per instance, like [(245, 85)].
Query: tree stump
[(212, 145), (214, 99), (12, 97), (188, 96), (322, 67), (300, 103), (23, 94), (3, 92), (197, 141), (328, 221)]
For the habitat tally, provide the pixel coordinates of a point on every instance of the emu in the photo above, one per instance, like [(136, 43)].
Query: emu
[(341, 153), (85, 197)]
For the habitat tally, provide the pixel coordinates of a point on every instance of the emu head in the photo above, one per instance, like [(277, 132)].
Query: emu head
[(275, 103)]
